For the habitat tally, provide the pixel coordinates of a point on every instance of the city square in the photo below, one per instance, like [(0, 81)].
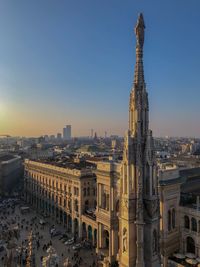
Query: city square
[(34, 242)]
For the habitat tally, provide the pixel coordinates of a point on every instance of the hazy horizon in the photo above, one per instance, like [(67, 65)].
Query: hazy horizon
[(67, 63)]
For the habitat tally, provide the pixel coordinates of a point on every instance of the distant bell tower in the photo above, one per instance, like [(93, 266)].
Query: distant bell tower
[(139, 205)]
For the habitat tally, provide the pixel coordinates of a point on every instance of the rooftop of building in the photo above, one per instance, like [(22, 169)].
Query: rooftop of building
[(190, 172), (191, 186), (68, 162), (190, 191), (6, 157)]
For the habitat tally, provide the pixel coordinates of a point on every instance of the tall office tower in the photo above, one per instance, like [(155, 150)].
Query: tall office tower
[(139, 205), (67, 132), (92, 133), (59, 136)]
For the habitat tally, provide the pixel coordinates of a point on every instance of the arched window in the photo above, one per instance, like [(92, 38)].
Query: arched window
[(173, 218), (84, 192), (106, 239), (147, 179), (155, 242), (186, 222), (88, 191), (107, 201), (104, 201), (194, 224), (117, 206), (76, 205), (90, 237), (169, 220), (190, 245), (86, 205), (70, 205)]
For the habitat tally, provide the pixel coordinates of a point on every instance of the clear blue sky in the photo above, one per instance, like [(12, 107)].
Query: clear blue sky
[(72, 62)]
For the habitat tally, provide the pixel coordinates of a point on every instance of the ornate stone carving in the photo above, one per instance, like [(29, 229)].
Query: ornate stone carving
[(151, 207), (124, 240), (126, 203), (138, 174)]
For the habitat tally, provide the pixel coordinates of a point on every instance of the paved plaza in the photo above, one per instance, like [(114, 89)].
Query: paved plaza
[(34, 242)]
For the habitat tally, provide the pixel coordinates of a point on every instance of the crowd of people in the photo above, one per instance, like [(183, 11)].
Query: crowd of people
[(24, 240)]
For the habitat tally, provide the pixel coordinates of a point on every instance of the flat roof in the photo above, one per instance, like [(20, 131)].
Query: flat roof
[(67, 163), (191, 186), (6, 157)]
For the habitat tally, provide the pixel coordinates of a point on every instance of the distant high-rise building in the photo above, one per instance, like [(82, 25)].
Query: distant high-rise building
[(52, 137), (46, 138), (67, 132), (59, 136), (92, 133)]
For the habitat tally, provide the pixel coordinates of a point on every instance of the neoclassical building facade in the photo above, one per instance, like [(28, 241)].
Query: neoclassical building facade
[(64, 194)]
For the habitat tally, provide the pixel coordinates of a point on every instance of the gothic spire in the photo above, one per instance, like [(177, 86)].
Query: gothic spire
[(139, 72), (139, 30), (138, 120)]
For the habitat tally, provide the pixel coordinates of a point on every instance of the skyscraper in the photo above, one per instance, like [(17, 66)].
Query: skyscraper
[(139, 205), (59, 136), (67, 132)]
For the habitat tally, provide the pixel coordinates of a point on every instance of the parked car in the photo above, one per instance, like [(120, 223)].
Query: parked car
[(70, 241)]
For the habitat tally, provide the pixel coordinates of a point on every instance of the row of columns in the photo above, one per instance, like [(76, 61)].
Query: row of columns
[(74, 225)]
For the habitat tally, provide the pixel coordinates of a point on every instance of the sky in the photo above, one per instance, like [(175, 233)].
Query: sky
[(72, 62)]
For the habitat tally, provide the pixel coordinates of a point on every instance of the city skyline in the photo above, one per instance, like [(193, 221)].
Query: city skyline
[(67, 63)]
